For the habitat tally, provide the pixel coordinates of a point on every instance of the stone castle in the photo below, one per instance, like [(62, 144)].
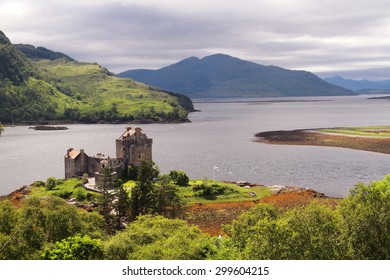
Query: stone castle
[(132, 147)]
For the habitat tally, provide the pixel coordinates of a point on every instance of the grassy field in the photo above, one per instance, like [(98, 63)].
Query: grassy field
[(66, 189), (232, 193), (370, 131)]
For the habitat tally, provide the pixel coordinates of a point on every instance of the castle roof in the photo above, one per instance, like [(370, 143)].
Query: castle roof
[(74, 154), (130, 132)]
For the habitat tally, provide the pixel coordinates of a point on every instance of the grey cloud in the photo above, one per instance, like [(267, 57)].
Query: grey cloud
[(295, 34)]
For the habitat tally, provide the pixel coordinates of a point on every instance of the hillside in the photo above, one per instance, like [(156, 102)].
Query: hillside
[(61, 89), (360, 85), (40, 52), (221, 75)]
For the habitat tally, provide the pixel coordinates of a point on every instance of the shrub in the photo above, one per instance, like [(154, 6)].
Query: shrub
[(179, 177)]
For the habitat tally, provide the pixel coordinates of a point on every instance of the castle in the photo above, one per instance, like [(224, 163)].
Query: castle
[(132, 147)]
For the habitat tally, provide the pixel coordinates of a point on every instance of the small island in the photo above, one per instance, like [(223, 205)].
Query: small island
[(368, 138), (46, 127)]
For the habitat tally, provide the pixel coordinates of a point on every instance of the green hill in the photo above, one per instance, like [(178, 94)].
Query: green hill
[(221, 75), (40, 52), (42, 90)]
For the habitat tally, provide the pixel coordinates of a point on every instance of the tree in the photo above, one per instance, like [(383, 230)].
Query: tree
[(141, 200), (179, 177), (75, 248), (310, 232), (105, 201), (166, 199), (8, 217), (122, 206), (366, 220), (159, 238), (24, 232)]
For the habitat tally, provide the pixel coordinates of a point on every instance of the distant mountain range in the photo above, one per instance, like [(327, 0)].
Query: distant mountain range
[(38, 85), (221, 75), (360, 85)]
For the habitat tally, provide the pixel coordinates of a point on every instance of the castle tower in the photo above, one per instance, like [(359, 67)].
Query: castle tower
[(134, 147)]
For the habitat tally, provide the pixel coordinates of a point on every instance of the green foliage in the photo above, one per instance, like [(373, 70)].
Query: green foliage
[(132, 172), (211, 191), (40, 52), (366, 220), (159, 238), (179, 177), (153, 196), (1, 129), (8, 217), (122, 207), (51, 183), (25, 232), (75, 248), (310, 232)]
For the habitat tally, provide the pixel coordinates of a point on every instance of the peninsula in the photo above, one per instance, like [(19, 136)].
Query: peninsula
[(370, 138)]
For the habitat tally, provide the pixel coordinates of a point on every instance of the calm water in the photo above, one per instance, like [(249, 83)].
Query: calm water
[(221, 134)]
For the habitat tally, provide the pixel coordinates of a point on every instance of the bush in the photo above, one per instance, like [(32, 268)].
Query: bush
[(209, 191), (51, 183), (179, 178)]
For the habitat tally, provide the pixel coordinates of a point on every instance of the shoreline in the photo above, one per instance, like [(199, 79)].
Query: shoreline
[(311, 137)]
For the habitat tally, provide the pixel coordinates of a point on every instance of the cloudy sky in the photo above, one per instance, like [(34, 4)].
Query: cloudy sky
[(327, 37)]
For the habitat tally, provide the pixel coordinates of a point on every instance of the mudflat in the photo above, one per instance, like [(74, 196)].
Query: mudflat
[(320, 138)]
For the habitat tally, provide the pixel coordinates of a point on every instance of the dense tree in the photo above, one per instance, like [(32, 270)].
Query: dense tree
[(141, 199), (40, 222), (366, 220), (166, 199), (8, 217), (75, 248), (122, 207), (310, 232), (159, 238), (105, 201)]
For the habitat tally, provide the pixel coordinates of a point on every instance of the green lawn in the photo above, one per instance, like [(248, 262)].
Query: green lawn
[(66, 189), (371, 131), (233, 193), (72, 188)]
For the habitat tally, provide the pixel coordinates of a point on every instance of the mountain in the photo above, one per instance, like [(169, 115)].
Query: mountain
[(40, 52), (39, 90), (359, 85), (14, 66), (221, 75)]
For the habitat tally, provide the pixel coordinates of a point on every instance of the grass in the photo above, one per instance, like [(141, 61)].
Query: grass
[(370, 131), (66, 189), (233, 193), (98, 90)]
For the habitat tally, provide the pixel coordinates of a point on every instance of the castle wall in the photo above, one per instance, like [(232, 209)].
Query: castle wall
[(76, 163), (132, 148)]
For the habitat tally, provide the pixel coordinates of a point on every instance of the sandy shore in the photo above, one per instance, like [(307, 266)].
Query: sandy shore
[(315, 138)]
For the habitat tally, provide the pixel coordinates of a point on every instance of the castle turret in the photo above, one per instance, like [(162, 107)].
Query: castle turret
[(134, 147)]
